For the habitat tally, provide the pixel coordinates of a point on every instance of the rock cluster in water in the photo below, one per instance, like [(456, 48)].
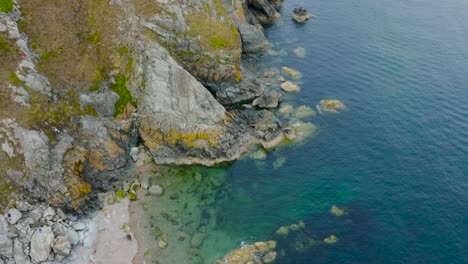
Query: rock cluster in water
[(257, 253), (301, 15)]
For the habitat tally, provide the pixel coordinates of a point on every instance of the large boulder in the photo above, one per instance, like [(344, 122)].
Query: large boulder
[(253, 39), (41, 243)]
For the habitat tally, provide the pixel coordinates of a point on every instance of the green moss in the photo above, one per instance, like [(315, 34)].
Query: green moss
[(15, 80), (217, 42), (89, 110), (125, 97), (120, 193), (124, 50), (6, 6)]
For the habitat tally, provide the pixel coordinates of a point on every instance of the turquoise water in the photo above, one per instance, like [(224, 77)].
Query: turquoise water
[(397, 160)]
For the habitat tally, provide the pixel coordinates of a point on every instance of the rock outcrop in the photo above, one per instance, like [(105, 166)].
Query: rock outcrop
[(259, 252)]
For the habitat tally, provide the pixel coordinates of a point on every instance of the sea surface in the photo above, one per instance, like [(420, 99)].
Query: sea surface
[(396, 161)]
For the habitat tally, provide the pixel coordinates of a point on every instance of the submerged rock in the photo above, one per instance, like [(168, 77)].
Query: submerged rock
[(304, 112), (291, 72), (331, 239), (300, 52), (259, 252), (197, 240), (156, 190), (301, 15), (290, 87), (287, 109), (330, 106), (336, 211)]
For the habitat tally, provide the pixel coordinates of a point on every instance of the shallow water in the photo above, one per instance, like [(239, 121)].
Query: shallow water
[(397, 160)]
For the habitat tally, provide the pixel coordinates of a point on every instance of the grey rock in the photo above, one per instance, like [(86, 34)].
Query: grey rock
[(268, 100), (3, 226), (301, 15), (266, 8), (72, 236), (37, 82), (35, 214), (253, 39), (48, 213), (6, 246), (41, 243), (23, 206), (18, 253), (104, 103), (79, 226), (155, 190), (13, 215), (62, 246)]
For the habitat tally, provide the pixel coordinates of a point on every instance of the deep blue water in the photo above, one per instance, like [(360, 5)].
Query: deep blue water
[(397, 160)]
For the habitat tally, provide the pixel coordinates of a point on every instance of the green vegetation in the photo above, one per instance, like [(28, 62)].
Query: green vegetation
[(125, 97), (6, 6)]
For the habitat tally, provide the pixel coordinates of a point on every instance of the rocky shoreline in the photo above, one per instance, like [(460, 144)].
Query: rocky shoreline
[(73, 142)]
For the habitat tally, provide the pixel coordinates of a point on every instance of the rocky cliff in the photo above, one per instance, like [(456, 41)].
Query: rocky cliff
[(82, 82)]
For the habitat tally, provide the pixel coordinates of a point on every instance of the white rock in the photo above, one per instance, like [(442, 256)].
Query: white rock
[(41, 243), (134, 153), (155, 190), (13, 215)]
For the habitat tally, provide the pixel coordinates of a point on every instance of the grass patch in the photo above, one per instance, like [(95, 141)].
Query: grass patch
[(214, 35), (6, 6), (125, 97), (77, 40)]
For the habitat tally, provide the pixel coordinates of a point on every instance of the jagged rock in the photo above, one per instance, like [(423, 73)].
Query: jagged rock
[(256, 253), (41, 243), (155, 190), (253, 39), (247, 89), (290, 87), (62, 246), (267, 100), (264, 11), (13, 215), (301, 15)]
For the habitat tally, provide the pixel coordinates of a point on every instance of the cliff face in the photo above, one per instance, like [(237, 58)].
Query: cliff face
[(81, 82)]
